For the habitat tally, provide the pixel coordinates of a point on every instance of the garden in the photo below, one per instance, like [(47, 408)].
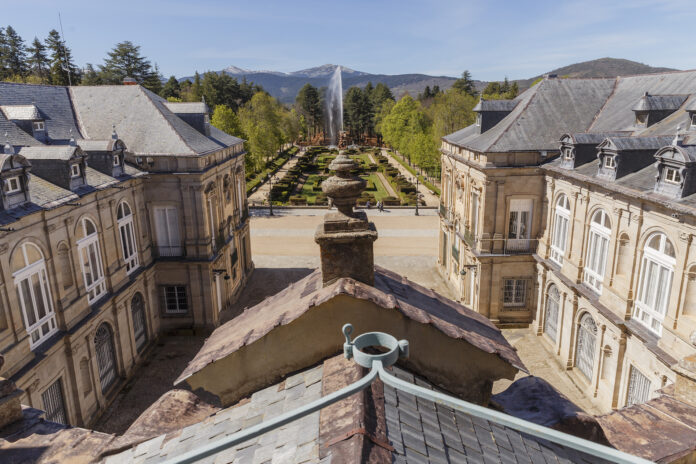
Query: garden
[(301, 186)]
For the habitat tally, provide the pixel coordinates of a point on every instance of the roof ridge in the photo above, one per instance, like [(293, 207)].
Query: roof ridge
[(80, 125), (502, 132), (169, 124), (606, 102)]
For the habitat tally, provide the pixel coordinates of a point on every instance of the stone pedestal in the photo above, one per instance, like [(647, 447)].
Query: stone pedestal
[(346, 248), (685, 386)]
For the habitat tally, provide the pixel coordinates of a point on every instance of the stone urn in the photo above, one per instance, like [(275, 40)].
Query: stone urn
[(343, 188)]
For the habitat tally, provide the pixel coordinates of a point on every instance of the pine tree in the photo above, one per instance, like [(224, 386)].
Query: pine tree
[(124, 60), (171, 89), (62, 71), (196, 89), (37, 60), (15, 53), (465, 84), (153, 81), (4, 73), (91, 76)]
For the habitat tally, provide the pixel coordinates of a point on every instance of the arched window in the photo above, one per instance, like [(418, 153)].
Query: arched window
[(597, 248), (559, 240), (139, 324), (106, 357), (655, 282), (29, 273), (585, 348), (91, 260), (127, 232), (553, 299)]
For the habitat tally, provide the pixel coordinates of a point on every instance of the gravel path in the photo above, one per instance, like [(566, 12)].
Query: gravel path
[(429, 198)]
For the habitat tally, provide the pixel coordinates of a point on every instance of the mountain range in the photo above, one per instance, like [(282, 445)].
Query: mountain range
[(284, 86)]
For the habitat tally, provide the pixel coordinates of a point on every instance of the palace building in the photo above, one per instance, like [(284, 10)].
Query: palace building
[(122, 216), (573, 208)]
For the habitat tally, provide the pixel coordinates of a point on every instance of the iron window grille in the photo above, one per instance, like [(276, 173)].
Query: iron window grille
[(552, 306), (175, 299), (106, 356), (638, 388), (585, 348), (54, 404), (514, 293)]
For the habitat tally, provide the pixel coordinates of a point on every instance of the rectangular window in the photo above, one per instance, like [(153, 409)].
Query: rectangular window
[(130, 254), (514, 292), (75, 170), (638, 388), (92, 270), (672, 176), (37, 305), (474, 213), (519, 225), (693, 120), (38, 125), (167, 226), (175, 300), (13, 185), (53, 403), (609, 162), (598, 245), (560, 237), (117, 161), (641, 119)]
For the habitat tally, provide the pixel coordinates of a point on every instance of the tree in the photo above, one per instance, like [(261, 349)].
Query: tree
[(125, 60), (465, 84), (153, 82), (379, 95), (260, 122), (172, 89), (91, 76), (357, 113), (15, 53), (62, 70), (225, 119), (451, 111), (500, 90), (37, 60), (309, 106)]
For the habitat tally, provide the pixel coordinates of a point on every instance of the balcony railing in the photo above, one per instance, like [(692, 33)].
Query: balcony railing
[(499, 246), (468, 237), (165, 251)]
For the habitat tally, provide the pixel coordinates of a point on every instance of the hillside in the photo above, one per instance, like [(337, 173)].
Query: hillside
[(602, 67), (285, 86)]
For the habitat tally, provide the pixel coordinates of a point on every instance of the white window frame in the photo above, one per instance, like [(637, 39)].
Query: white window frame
[(519, 224), (126, 230), (75, 170), (585, 346), (514, 293), (553, 303), (561, 223), (38, 125), (179, 305), (609, 162), (13, 188), (31, 283), (117, 161), (474, 214), (693, 120), (597, 250), (91, 262), (168, 236), (638, 389), (212, 219), (675, 175), (654, 284), (478, 119)]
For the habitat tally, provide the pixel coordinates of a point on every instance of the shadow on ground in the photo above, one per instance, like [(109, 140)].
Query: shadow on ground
[(264, 282)]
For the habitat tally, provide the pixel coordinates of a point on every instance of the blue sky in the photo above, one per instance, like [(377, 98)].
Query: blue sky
[(492, 39)]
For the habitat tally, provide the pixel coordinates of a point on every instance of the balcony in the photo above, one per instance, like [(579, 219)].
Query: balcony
[(446, 215), (166, 251), (455, 253), (505, 246), (467, 237)]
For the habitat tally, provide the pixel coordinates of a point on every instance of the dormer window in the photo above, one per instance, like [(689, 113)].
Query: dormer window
[(38, 126), (609, 162), (693, 121), (478, 119), (568, 154), (117, 161), (641, 119), (13, 185), (75, 170), (672, 176)]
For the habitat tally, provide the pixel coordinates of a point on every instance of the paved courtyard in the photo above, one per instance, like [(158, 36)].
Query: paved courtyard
[(284, 251)]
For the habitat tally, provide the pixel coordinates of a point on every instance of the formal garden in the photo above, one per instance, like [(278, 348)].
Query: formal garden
[(301, 186)]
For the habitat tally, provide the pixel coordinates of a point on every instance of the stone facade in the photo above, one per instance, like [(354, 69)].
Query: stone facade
[(593, 248), (156, 239)]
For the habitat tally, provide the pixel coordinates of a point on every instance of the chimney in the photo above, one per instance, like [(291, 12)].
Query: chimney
[(685, 386), (129, 81), (345, 238), (10, 407)]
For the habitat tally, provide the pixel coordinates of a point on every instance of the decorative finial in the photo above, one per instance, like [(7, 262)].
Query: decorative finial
[(72, 142), (203, 99), (8, 149), (677, 139), (114, 135), (343, 189)]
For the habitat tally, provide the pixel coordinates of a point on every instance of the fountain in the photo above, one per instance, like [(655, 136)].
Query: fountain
[(334, 106)]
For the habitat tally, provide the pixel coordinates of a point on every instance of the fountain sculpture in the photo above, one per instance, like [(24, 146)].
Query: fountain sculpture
[(334, 106)]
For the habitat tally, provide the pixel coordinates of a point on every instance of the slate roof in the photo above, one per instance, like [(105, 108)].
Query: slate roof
[(395, 425), (52, 101), (495, 105), (659, 102), (638, 143), (587, 138), (49, 152), (187, 107), (21, 112), (543, 113), (96, 145), (143, 120), (390, 290), (9, 132)]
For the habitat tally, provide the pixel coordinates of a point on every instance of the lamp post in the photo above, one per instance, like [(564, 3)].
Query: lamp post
[(417, 181), (271, 180)]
